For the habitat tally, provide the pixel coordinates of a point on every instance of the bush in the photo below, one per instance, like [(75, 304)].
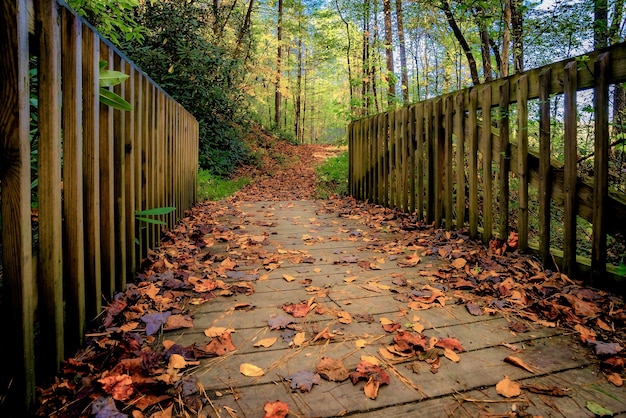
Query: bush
[(332, 176)]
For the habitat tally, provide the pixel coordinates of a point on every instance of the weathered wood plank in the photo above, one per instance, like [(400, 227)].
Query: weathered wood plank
[(50, 266), (439, 159), (472, 130), (405, 159), (399, 134), (487, 166), (19, 286), (419, 157), (522, 162), (544, 167), (571, 172), (119, 185), (600, 167), (504, 161), (447, 162), (129, 179), (411, 159), (73, 210), (459, 129)]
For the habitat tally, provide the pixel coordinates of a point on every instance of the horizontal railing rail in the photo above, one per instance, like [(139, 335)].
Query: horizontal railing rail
[(436, 159), (96, 167)]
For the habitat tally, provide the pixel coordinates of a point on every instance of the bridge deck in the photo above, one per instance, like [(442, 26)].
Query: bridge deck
[(318, 253)]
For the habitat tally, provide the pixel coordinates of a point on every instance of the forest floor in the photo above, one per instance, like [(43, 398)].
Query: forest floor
[(272, 303)]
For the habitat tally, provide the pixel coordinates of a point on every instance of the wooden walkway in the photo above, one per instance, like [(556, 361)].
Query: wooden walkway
[(314, 255)]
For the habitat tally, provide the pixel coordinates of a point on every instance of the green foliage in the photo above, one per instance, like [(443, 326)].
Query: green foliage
[(143, 215), (332, 176), (108, 78), (177, 54), (212, 187)]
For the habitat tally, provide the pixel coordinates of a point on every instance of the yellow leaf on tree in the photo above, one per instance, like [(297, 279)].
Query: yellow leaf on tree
[(250, 370)]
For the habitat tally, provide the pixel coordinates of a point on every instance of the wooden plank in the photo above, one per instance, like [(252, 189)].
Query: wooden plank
[(472, 130), (447, 160), (392, 158), (399, 134), (91, 175), (73, 227), (430, 162), (522, 162), (119, 177), (18, 302), (405, 157), (107, 202), (372, 160), (380, 157), (544, 167), (438, 160), (600, 168), (505, 161), (487, 167), (138, 109), (387, 134), (459, 119), (419, 159), (571, 172), (351, 158), (411, 159), (146, 178), (130, 127), (50, 266)]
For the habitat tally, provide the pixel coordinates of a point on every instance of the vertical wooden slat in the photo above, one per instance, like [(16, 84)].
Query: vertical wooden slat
[(50, 266), (438, 160), (419, 157), (392, 158), (138, 109), (351, 158), (107, 202), (380, 140), (472, 130), (18, 287), (129, 179), (570, 161), (522, 162), (160, 156), (145, 165), (91, 175), (430, 162), (386, 150), (505, 160), (365, 158), (405, 157), (151, 185), (411, 159), (487, 167), (371, 142), (600, 167), (447, 161), (119, 178), (459, 119), (544, 166), (73, 227)]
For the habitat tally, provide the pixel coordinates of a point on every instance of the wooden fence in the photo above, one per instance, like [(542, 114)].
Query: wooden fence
[(435, 159), (96, 168)]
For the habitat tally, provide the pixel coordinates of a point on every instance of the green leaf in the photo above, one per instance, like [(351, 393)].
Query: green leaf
[(111, 78), (112, 99), (103, 64), (156, 211), (598, 409), (150, 220)]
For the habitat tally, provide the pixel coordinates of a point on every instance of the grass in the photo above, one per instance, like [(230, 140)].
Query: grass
[(212, 187), (332, 176)]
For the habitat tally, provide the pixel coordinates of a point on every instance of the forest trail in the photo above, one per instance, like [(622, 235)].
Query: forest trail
[(272, 301)]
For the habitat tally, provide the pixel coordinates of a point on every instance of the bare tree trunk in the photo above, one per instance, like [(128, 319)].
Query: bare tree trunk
[(348, 52), (366, 58), (481, 20), (391, 85), (279, 38), (445, 6), (375, 61), (403, 70), (426, 69), (298, 101), (517, 23), (506, 39), (600, 17), (245, 28)]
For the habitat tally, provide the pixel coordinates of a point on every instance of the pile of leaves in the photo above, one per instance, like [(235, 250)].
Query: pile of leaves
[(497, 278)]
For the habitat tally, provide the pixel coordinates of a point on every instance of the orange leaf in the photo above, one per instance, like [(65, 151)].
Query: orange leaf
[(276, 409), (508, 388), (519, 363)]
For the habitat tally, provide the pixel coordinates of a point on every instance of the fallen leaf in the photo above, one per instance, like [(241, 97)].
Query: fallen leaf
[(297, 310), (250, 370), (299, 339), (120, 386), (177, 322), (304, 380), (370, 359), (519, 363), (360, 343), (266, 342), (605, 349), (450, 343), (177, 362), (459, 263), (216, 331), (344, 317), (220, 345), (276, 409), (508, 388), (451, 355), (371, 388), (332, 369), (598, 409), (616, 379), (288, 277), (518, 327), (473, 308), (280, 321)]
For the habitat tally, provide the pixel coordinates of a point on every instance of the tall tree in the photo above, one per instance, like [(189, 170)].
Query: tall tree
[(391, 78), (279, 39), (458, 34), (402, 46)]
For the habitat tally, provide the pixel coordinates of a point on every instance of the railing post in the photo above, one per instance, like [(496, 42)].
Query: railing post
[(570, 159), (19, 285), (472, 129), (522, 162), (487, 167), (544, 166), (505, 160), (459, 120)]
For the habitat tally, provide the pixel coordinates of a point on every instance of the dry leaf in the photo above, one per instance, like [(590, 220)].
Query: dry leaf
[(459, 263), (299, 339), (508, 388), (451, 355), (266, 342), (371, 388), (370, 359), (276, 409), (519, 363), (217, 331), (616, 379), (360, 343), (288, 277), (177, 362), (250, 370), (332, 369)]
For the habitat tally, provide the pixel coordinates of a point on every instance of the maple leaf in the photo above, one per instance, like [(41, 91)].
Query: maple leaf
[(220, 345), (406, 341), (119, 386), (604, 349), (304, 380), (450, 343), (280, 322), (177, 322), (276, 409), (298, 310), (154, 321), (114, 309)]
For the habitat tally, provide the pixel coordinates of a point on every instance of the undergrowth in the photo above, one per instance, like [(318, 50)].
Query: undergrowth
[(212, 187), (332, 176)]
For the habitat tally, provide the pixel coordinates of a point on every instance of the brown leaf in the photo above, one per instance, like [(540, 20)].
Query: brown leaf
[(217, 331), (459, 263), (518, 327), (297, 310), (371, 388), (332, 369), (120, 386), (177, 322), (582, 308), (519, 363), (220, 345), (473, 308), (266, 342), (450, 343), (166, 413), (451, 355), (508, 388), (276, 409), (616, 379)]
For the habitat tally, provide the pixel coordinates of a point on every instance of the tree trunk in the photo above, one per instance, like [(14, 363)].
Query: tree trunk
[(481, 21), (445, 6), (506, 39), (391, 85), (348, 52), (600, 24), (517, 23), (279, 38), (245, 28), (403, 69), (366, 58), (298, 101), (375, 62)]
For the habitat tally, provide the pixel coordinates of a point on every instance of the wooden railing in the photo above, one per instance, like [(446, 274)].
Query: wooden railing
[(435, 159), (96, 168)]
